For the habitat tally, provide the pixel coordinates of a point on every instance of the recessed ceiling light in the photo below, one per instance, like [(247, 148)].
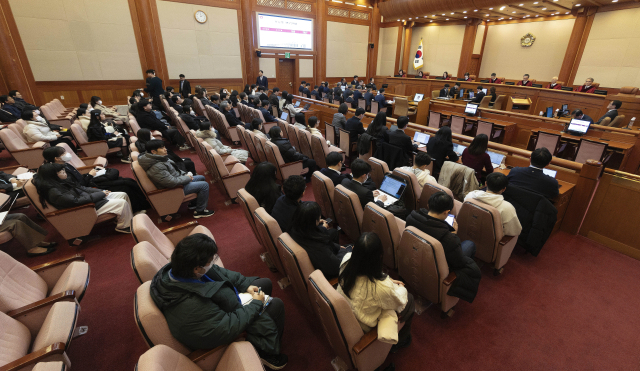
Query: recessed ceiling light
[(567, 12), (425, 16), (409, 18), (475, 10), (447, 19), (490, 8), (433, 15), (465, 17), (577, 4), (403, 20), (544, 8), (398, 20), (465, 12), (521, 5), (614, 1), (486, 15), (512, 12), (503, 8), (536, 2), (442, 13), (510, 17), (430, 21), (536, 15)]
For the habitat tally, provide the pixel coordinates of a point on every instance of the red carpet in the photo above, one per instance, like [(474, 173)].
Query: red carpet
[(575, 307)]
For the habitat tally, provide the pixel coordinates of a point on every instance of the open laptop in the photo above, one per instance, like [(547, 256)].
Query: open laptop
[(549, 172), (458, 148), (496, 158), (393, 188), (578, 127), (471, 94), (484, 91), (284, 116), (422, 138), (297, 104), (10, 201), (461, 95), (471, 109), (306, 106), (418, 97)]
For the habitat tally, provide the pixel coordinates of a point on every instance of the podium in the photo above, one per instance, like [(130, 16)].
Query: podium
[(521, 105)]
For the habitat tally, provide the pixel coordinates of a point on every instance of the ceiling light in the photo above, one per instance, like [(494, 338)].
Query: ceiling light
[(510, 17), (442, 13), (465, 12), (614, 1), (349, 3), (536, 15), (430, 21), (487, 15), (475, 10), (447, 19), (512, 12), (409, 18), (490, 8), (567, 12), (503, 8), (577, 4), (536, 2), (425, 16), (544, 8), (398, 20), (451, 13), (465, 17), (360, 5), (521, 5), (403, 20)]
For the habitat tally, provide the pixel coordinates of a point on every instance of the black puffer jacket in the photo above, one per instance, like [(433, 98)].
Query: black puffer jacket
[(287, 151)]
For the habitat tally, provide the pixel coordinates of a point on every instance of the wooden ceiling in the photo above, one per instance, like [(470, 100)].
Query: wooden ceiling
[(513, 11)]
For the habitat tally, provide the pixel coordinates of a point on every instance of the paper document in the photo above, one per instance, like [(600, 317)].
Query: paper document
[(389, 200), (25, 176), (246, 298), (100, 172)]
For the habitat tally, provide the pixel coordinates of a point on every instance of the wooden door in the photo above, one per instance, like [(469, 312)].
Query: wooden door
[(285, 75), (474, 67)]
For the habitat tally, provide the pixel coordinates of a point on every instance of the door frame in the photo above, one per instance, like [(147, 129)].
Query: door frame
[(296, 69)]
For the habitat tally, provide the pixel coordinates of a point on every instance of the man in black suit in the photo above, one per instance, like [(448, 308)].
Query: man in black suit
[(579, 115), (263, 107), (348, 91), (301, 87), (337, 89), (185, 87), (612, 111), (479, 95), (287, 204), (154, 88), (289, 154), (399, 139), (354, 125), (360, 170), (532, 177), (334, 165), (230, 115), (368, 97), (380, 99), (355, 81), (6, 116), (262, 80), (371, 85), (307, 92), (316, 93), (176, 103), (357, 95), (455, 90), (260, 93), (444, 92)]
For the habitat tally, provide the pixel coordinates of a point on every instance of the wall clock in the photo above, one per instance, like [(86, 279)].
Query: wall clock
[(201, 17)]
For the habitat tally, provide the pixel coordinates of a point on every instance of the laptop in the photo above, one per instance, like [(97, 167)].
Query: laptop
[(458, 148), (496, 158), (297, 104), (284, 116), (471, 94), (471, 109), (418, 97), (393, 188), (422, 138), (578, 127), (10, 202), (306, 106), (549, 172), (484, 91)]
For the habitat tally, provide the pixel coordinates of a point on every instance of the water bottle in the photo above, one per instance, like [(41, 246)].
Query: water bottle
[(631, 122)]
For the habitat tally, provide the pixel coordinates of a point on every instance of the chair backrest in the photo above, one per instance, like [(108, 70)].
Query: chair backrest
[(485, 101), (250, 145), (330, 133), (430, 188), (362, 103), (146, 261), (75, 160), (19, 285), (323, 190), (628, 90), (320, 150), (422, 263), (304, 139), (457, 124), (284, 132), (133, 123), (617, 122), (18, 131), (482, 224), (378, 170), (275, 157), (401, 107), (589, 150), (143, 229), (79, 134), (411, 194), (198, 106), (297, 265), (345, 143), (387, 227), (258, 146), (485, 128), (375, 106), (348, 211), (145, 183), (163, 358), (249, 205), (269, 231), (12, 141), (499, 101), (434, 119), (549, 141), (151, 321), (435, 94), (293, 136)]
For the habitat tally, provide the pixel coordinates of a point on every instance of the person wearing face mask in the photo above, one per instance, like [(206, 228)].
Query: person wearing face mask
[(110, 180), (96, 103), (207, 306), (56, 190), (37, 130), (96, 131)]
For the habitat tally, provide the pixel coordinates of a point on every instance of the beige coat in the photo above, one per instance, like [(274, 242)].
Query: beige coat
[(36, 131), (510, 224), (423, 175), (109, 112), (458, 178)]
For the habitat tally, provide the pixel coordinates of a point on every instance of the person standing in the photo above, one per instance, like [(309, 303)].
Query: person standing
[(262, 80), (154, 88), (185, 87)]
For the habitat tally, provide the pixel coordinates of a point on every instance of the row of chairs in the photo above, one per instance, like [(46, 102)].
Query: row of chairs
[(586, 149), (459, 125)]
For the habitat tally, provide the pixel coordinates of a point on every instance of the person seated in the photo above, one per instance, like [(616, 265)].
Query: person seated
[(230, 115), (612, 111), (554, 84), (496, 185), (205, 307), (377, 129), (189, 117), (97, 132), (148, 120), (37, 130), (20, 102), (275, 102), (525, 81), (479, 95), (243, 98), (494, 79), (247, 89), (360, 170), (420, 75), (6, 116), (263, 106), (578, 114), (357, 95), (334, 167), (316, 94), (371, 292), (55, 189), (371, 84), (300, 121), (401, 74), (440, 148), (492, 93), (175, 102), (96, 103), (211, 137), (184, 164), (355, 81), (84, 116), (458, 253), (382, 103), (136, 96), (288, 105), (164, 173), (445, 76), (401, 140), (445, 92), (261, 95), (313, 129), (419, 168), (263, 186), (254, 88), (286, 205), (307, 90), (337, 89), (477, 158), (301, 87), (368, 97), (349, 101), (532, 177), (466, 77), (289, 154), (311, 232), (339, 120), (455, 91), (29, 234), (8, 104), (11, 185), (587, 87)]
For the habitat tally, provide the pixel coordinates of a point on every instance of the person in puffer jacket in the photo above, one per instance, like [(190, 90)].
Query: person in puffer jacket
[(37, 130)]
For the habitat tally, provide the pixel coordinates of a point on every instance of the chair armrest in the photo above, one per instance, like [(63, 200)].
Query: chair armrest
[(61, 261), (236, 174), (36, 356), (91, 159), (180, 227), (9, 169), (68, 295), (200, 354), (26, 150), (450, 278), (95, 142), (366, 340), (291, 163), (158, 191), (506, 239), (177, 233), (71, 209)]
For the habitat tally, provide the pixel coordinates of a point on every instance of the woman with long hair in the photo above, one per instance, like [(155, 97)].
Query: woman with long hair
[(263, 187), (289, 105), (440, 148), (56, 190), (378, 126), (476, 156), (184, 164), (370, 292), (274, 102), (492, 93), (446, 76), (96, 131), (310, 232), (247, 89)]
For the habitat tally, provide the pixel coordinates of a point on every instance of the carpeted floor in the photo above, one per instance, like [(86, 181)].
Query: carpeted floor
[(574, 307)]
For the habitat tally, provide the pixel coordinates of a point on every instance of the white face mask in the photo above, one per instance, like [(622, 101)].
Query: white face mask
[(40, 119), (206, 269), (100, 102), (66, 157), (37, 111)]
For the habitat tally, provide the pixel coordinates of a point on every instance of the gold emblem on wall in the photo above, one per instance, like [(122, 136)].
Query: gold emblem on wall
[(527, 40)]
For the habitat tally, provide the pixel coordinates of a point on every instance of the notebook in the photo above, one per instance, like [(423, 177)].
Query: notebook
[(496, 158), (393, 188)]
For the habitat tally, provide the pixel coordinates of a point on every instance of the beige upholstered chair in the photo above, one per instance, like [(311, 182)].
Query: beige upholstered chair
[(590, 150), (50, 366), (84, 164), (388, 227), (146, 261), (238, 356), (485, 128), (348, 212), (354, 349), (429, 189), (233, 177), (249, 205), (628, 90), (379, 169), (411, 195), (423, 265), (283, 170), (482, 224), (457, 124), (28, 155), (269, 231), (321, 149), (485, 102), (91, 149), (323, 190), (617, 122), (434, 119), (330, 133), (298, 266), (401, 107), (499, 103), (15, 170), (549, 141), (53, 118)]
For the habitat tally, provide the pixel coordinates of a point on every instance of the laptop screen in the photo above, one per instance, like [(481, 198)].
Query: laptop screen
[(549, 172), (579, 126), (418, 97), (458, 148), (565, 107), (297, 104), (343, 88), (393, 187), (461, 93), (484, 91), (306, 106), (471, 109), (496, 158), (471, 94), (284, 116), (421, 137)]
